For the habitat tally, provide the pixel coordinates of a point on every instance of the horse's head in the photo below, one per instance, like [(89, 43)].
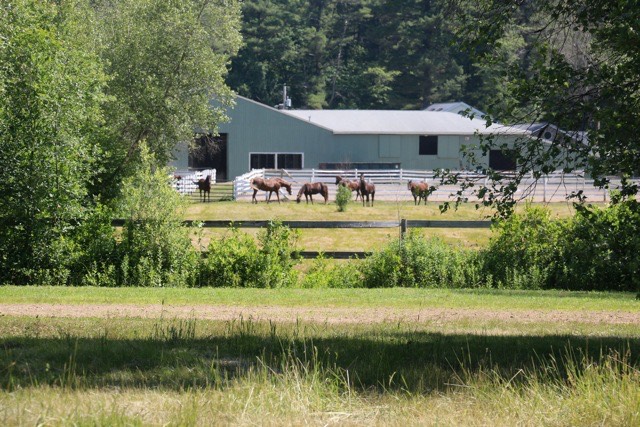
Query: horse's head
[(409, 185), (338, 179), (301, 192)]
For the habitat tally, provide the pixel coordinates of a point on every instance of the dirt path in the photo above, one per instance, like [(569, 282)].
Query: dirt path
[(315, 314)]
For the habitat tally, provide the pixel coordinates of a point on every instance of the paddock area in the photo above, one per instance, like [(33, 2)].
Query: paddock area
[(391, 185)]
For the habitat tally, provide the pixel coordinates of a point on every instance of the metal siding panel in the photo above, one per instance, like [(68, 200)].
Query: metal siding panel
[(259, 128)]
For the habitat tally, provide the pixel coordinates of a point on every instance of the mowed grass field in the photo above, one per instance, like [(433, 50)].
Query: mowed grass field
[(455, 357), (354, 239)]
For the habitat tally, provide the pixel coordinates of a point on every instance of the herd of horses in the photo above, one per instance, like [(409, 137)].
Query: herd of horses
[(363, 189), (308, 189)]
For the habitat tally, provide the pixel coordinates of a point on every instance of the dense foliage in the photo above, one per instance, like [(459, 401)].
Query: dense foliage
[(581, 74), (51, 90), (83, 86), (358, 54)]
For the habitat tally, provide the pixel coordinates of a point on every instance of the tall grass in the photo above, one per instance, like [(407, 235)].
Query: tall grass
[(132, 371)]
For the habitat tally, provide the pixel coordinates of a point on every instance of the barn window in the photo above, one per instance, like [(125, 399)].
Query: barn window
[(275, 161), (428, 145), (289, 161), (502, 160), (263, 161)]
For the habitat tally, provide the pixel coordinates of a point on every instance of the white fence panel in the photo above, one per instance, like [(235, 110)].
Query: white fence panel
[(392, 184), (185, 181)]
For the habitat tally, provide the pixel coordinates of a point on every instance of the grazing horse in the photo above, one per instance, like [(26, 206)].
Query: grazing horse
[(351, 185), (366, 189), (272, 185), (419, 190), (285, 184), (204, 186), (309, 189)]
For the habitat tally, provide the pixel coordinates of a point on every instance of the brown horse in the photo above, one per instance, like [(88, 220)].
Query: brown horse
[(204, 186), (285, 184), (272, 185), (309, 189), (366, 189), (419, 190), (351, 185)]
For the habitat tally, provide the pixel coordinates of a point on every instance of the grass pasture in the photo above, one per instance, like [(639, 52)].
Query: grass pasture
[(523, 364), (352, 239)]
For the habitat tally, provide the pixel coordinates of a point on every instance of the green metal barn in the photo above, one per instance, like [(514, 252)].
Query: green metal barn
[(259, 136)]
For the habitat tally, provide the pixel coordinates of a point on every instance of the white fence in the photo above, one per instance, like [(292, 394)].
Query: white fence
[(391, 185), (185, 181)]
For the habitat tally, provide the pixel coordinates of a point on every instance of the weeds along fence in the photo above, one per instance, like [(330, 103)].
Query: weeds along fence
[(391, 185), (402, 226)]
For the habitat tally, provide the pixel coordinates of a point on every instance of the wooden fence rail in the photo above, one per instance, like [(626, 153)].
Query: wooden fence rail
[(403, 225)]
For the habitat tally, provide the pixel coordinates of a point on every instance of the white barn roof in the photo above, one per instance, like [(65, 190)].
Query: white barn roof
[(398, 122), (455, 107)]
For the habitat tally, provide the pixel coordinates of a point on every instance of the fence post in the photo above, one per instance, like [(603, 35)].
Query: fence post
[(544, 189), (403, 228)]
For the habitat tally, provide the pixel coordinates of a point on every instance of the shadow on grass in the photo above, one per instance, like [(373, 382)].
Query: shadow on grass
[(389, 360)]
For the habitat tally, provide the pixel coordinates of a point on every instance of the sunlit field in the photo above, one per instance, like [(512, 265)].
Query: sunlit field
[(493, 365), (354, 239)]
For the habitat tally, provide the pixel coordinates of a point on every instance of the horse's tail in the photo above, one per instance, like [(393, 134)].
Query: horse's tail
[(325, 191), (251, 184)]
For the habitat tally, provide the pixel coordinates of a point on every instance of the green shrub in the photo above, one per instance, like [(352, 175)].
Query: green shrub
[(323, 274), (419, 262), (343, 196), (601, 249), (521, 244), (97, 250), (237, 261), (155, 249), (597, 249), (231, 261)]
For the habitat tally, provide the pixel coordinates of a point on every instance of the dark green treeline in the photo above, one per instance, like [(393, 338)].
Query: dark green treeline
[(366, 54)]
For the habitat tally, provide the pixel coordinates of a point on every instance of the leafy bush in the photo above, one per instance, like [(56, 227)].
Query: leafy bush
[(601, 249), (418, 262), (343, 197), (155, 249), (597, 249), (341, 275), (97, 250), (231, 261), (523, 251), (237, 261)]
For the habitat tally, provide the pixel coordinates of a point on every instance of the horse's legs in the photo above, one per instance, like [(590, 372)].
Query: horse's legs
[(373, 196), (253, 198)]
